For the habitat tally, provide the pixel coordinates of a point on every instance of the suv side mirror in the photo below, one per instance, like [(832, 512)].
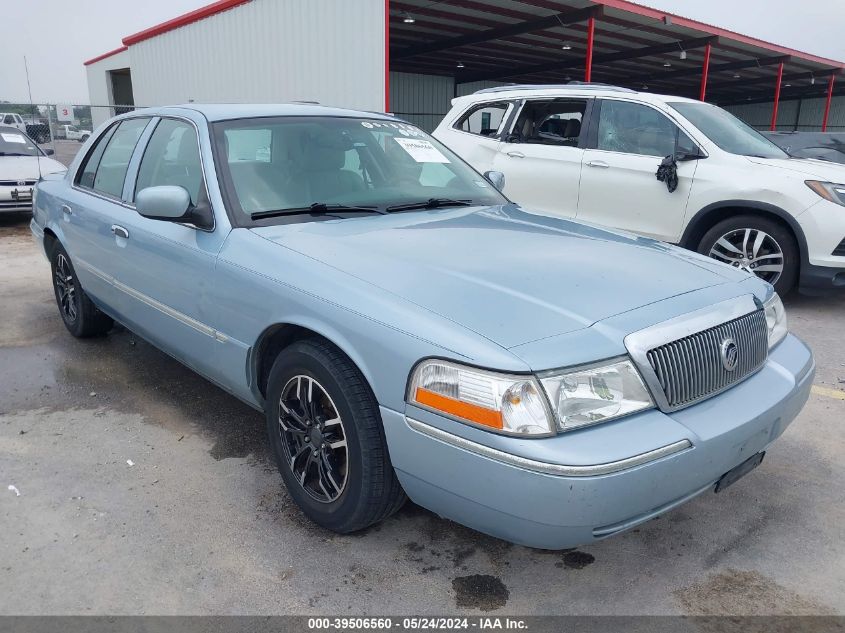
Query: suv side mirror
[(49, 151), (682, 156), (495, 178), (165, 202)]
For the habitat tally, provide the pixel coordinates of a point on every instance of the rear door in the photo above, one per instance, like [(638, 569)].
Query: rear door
[(619, 188), (475, 135), (93, 203), (166, 269), (541, 155)]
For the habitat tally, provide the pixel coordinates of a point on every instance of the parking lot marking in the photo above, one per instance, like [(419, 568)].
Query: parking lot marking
[(828, 393)]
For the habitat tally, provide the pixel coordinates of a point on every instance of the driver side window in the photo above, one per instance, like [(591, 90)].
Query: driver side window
[(633, 128)]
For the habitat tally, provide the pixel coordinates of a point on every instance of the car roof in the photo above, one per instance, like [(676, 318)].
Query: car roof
[(570, 90), (8, 129), (227, 111)]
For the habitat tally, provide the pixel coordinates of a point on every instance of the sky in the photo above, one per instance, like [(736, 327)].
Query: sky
[(57, 37)]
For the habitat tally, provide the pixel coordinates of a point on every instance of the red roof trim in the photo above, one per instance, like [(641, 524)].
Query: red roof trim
[(657, 14), (104, 55), (183, 20)]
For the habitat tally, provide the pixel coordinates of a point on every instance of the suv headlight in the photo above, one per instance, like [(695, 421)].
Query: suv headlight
[(775, 320), (510, 404), (596, 393), (830, 191)]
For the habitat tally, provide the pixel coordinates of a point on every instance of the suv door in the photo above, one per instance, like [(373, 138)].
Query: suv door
[(626, 143), (541, 156), (475, 135), (165, 268)]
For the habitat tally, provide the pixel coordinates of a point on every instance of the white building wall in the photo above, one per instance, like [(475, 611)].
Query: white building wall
[(99, 85), (808, 117), (331, 51)]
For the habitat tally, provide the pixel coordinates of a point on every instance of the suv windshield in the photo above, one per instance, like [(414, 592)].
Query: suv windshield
[(727, 131), (15, 143), (310, 166)]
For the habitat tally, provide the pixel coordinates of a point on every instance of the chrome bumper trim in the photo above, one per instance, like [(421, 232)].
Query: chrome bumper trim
[(560, 470)]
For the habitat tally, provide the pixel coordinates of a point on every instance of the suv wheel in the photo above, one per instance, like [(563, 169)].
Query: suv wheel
[(757, 245), (79, 314), (326, 434)]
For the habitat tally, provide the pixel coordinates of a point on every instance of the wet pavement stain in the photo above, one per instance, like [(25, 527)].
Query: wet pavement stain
[(576, 560), (483, 592), (736, 591)]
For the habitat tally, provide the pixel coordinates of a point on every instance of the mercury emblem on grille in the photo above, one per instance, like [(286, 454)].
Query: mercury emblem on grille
[(730, 354)]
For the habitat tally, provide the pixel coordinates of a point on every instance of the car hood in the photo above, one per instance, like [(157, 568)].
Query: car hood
[(508, 275), (816, 169), (27, 167)]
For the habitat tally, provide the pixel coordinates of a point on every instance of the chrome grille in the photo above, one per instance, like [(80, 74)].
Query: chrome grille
[(690, 369)]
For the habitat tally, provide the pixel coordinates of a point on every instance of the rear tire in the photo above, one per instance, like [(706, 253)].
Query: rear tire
[(328, 438), (79, 314), (758, 245)]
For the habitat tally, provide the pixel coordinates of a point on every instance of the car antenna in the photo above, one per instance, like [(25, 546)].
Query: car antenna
[(32, 114)]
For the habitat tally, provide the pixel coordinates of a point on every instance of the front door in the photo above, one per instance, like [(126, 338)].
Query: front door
[(619, 187)]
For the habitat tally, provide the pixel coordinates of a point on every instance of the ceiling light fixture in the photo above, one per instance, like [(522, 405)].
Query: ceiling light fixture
[(409, 19), (812, 80), (787, 85), (736, 75), (566, 47), (683, 55), (460, 65), (666, 64)]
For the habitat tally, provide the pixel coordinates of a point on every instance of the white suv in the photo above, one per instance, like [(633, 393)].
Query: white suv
[(594, 153)]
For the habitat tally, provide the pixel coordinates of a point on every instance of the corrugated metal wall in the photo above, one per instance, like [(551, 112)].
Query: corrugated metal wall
[(425, 99), (420, 99), (331, 51), (804, 114)]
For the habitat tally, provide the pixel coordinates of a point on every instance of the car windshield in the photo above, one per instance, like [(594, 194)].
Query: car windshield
[(308, 166), (14, 143), (727, 131)]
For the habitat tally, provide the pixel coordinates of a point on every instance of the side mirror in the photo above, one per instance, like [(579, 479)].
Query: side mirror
[(685, 156), (49, 152), (495, 178), (165, 202)]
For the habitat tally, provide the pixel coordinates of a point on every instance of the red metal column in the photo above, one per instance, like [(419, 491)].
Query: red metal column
[(591, 29), (777, 98), (704, 70), (387, 55), (827, 102)]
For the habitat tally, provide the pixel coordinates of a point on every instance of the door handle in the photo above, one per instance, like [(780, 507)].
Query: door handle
[(516, 154), (119, 231), (67, 210), (598, 163)]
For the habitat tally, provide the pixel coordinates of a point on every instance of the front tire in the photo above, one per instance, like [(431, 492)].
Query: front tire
[(326, 434), (79, 314), (758, 245)]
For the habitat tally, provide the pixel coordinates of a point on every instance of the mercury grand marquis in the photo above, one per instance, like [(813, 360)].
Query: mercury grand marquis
[(408, 330)]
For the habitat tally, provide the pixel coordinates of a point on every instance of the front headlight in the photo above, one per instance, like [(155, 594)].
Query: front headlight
[(830, 191), (505, 403), (595, 394), (775, 320)]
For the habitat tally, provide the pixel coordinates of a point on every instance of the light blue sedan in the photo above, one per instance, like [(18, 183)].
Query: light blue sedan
[(407, 330)]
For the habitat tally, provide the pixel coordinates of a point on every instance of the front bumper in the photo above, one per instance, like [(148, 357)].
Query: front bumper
[(16, 199), (823, 225), (517, 501)]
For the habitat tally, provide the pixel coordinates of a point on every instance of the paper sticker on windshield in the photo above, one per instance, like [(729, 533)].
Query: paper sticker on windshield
[(366, 124), (13, 138), (421, 150)]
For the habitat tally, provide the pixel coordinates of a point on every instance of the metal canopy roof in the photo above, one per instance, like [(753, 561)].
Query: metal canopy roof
[(634, 46)]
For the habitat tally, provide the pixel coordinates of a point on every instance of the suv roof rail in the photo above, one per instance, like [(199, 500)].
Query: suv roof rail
[(581, 85)]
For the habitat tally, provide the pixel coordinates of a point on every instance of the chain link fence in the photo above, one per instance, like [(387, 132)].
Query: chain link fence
[(58, 129)]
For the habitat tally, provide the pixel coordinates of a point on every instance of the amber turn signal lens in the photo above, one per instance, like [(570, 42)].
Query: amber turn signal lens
[(465, 410)]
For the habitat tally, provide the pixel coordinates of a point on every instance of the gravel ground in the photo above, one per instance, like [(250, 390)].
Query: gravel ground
[(143, 489)]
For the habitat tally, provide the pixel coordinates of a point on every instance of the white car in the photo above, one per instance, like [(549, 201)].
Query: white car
[(594, 153), (12, 119), (72, 133), (22, 163)]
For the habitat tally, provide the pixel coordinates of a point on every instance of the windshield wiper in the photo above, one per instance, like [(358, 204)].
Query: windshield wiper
[(316, 208), (431, 203), (14, 154)]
